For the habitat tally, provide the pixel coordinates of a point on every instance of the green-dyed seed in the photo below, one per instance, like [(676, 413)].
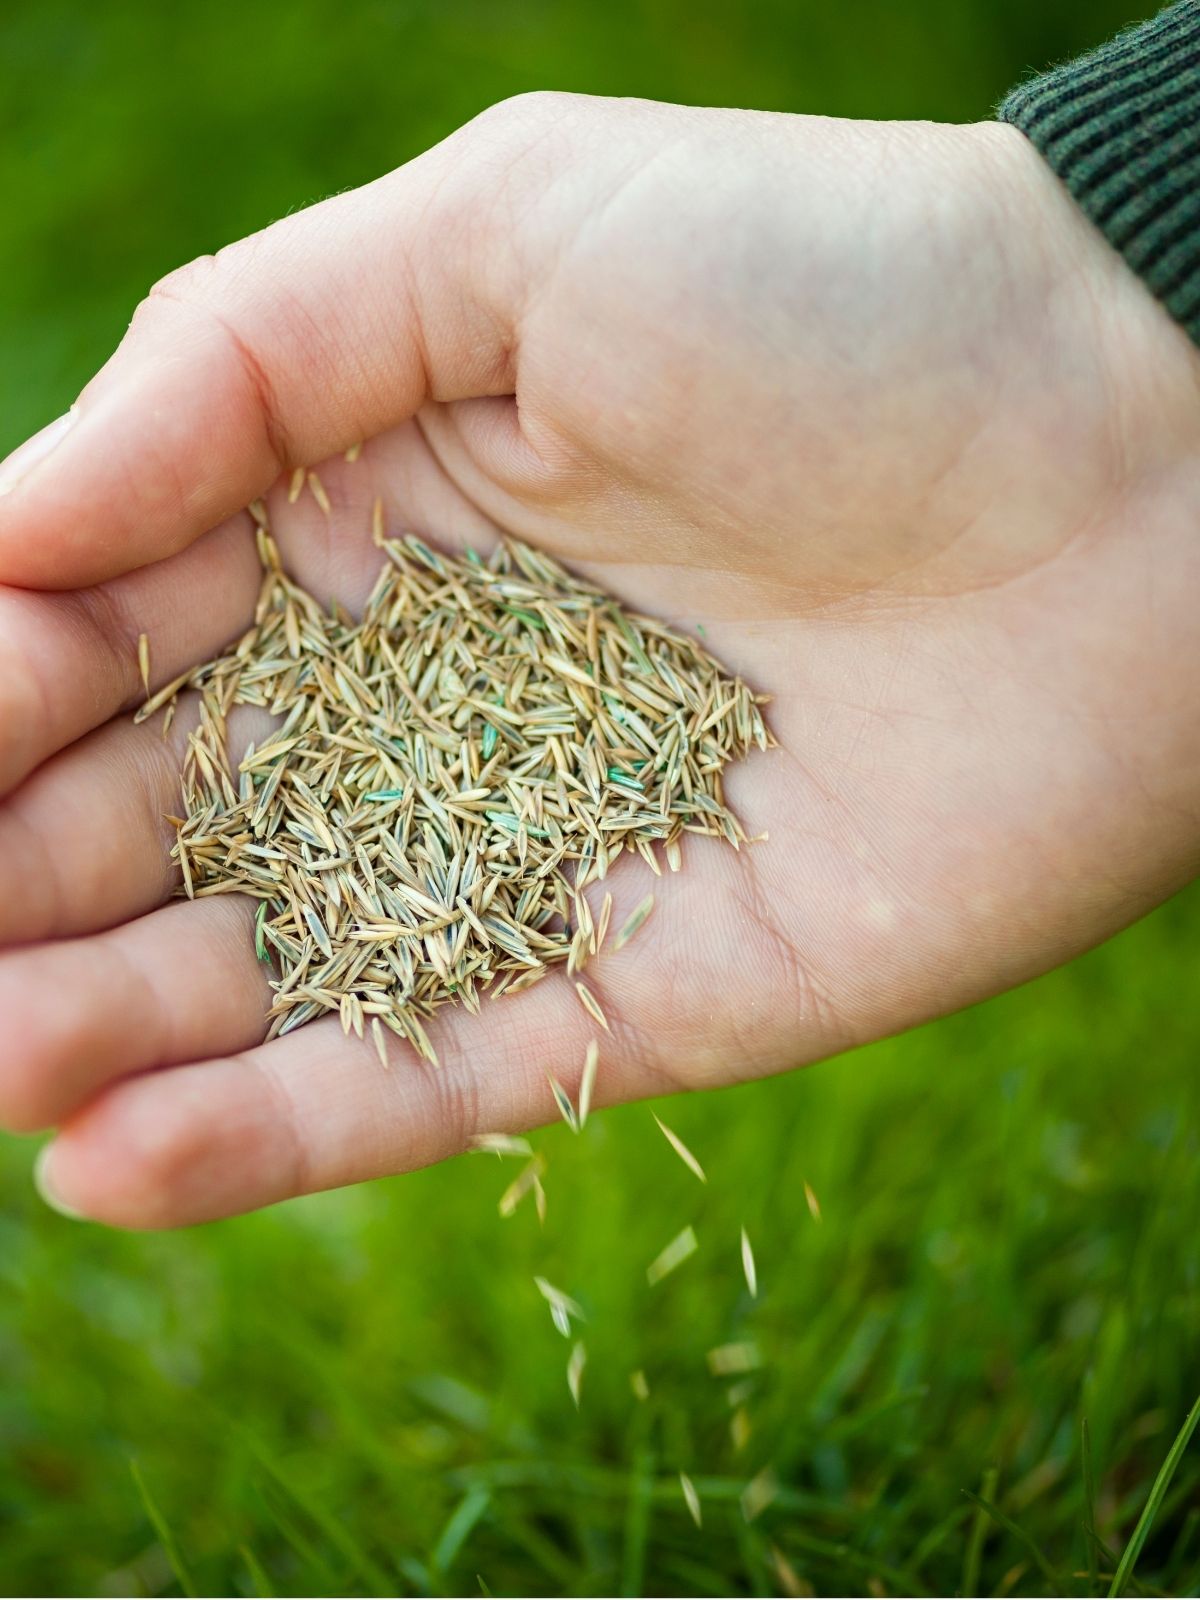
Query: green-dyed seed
[(527, 616), (260, 943), (506, 819)]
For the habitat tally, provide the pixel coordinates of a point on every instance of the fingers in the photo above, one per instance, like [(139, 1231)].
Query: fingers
[(68, 662), (317, 333), (315, 1110), (84, 843), (180, 983)]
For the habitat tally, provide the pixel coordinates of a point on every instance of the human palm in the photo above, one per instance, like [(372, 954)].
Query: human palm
[(870, 406)]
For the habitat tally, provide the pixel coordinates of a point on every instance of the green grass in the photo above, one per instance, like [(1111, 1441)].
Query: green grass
[(363, 1393)]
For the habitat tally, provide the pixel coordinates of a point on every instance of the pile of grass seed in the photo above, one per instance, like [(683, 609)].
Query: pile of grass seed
[(449, 774)]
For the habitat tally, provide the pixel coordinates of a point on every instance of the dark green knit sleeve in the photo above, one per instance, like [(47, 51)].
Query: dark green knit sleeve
[(1121, 128)]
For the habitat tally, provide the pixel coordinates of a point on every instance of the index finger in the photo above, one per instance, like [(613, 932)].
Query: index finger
[(281, 350)]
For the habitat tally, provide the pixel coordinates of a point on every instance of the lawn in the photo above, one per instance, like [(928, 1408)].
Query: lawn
[(969, 1242)]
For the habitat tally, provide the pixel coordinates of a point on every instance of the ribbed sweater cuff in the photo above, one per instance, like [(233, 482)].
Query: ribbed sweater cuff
[(1121, 128)]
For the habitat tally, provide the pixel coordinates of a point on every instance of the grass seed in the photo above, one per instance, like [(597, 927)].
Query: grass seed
[(448, 775)]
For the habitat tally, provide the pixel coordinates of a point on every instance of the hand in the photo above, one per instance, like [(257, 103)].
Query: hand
[(871, 402)]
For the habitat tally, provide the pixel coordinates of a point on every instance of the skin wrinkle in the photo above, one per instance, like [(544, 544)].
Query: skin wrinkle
[(18, 750), (255, 374), (37, 847), (299, 1180), (456, 1086), (114, 634)]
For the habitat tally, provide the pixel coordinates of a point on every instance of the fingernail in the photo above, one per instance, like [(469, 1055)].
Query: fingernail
[(34, 451), (44, 1184)]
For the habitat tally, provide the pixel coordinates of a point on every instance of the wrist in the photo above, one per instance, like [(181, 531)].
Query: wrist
[(1149, 367)]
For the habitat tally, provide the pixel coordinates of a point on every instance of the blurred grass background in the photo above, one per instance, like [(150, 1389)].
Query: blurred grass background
[(363, 1393)]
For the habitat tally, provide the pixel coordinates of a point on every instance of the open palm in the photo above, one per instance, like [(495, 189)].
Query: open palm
[(925, 475)]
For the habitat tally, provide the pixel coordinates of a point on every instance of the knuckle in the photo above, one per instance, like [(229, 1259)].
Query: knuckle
[(29, 1092), (456, 1087), (527, 112), (207, 289), (23, 1104), (188, 285), (24, 712), (111, 634)]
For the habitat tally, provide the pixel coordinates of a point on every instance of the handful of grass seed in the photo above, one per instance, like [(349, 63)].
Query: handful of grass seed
[(450, 773)]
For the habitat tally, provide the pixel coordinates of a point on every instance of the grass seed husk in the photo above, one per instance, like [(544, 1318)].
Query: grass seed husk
[(447, 777)]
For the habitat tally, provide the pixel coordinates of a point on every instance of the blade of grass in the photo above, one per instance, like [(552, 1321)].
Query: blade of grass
[(1007, 1523), (973, 1555), (1175, 1561), (1160, 1486), (458, 1529), (328, 1582), (637, 1522), (843, 1555), (331, 1528), (1089, 1503), (165, 1537), (750, 1547), (937, 1536), (258, 1576)]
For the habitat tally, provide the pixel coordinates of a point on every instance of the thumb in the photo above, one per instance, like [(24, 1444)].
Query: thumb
[(277, 352)]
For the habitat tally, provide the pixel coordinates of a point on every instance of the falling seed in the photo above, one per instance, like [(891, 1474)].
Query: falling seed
[(759, 1493), (675, 1254), (740, 1429), (602, 923), (742, 1355), (814, 1205), (738, 1393), (501, 1144), (563, 1101), (591, 1005), (528, 1179), (632, 923), (588, 1081), (562, 1307), (637, 1382), (354, 452), (691, 1499), (143, 652), (317, 489), (539, 1199), (296, 486), (380, 1042), (748, 1266), (680, 1149), (377, 522), (575, 1366)]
